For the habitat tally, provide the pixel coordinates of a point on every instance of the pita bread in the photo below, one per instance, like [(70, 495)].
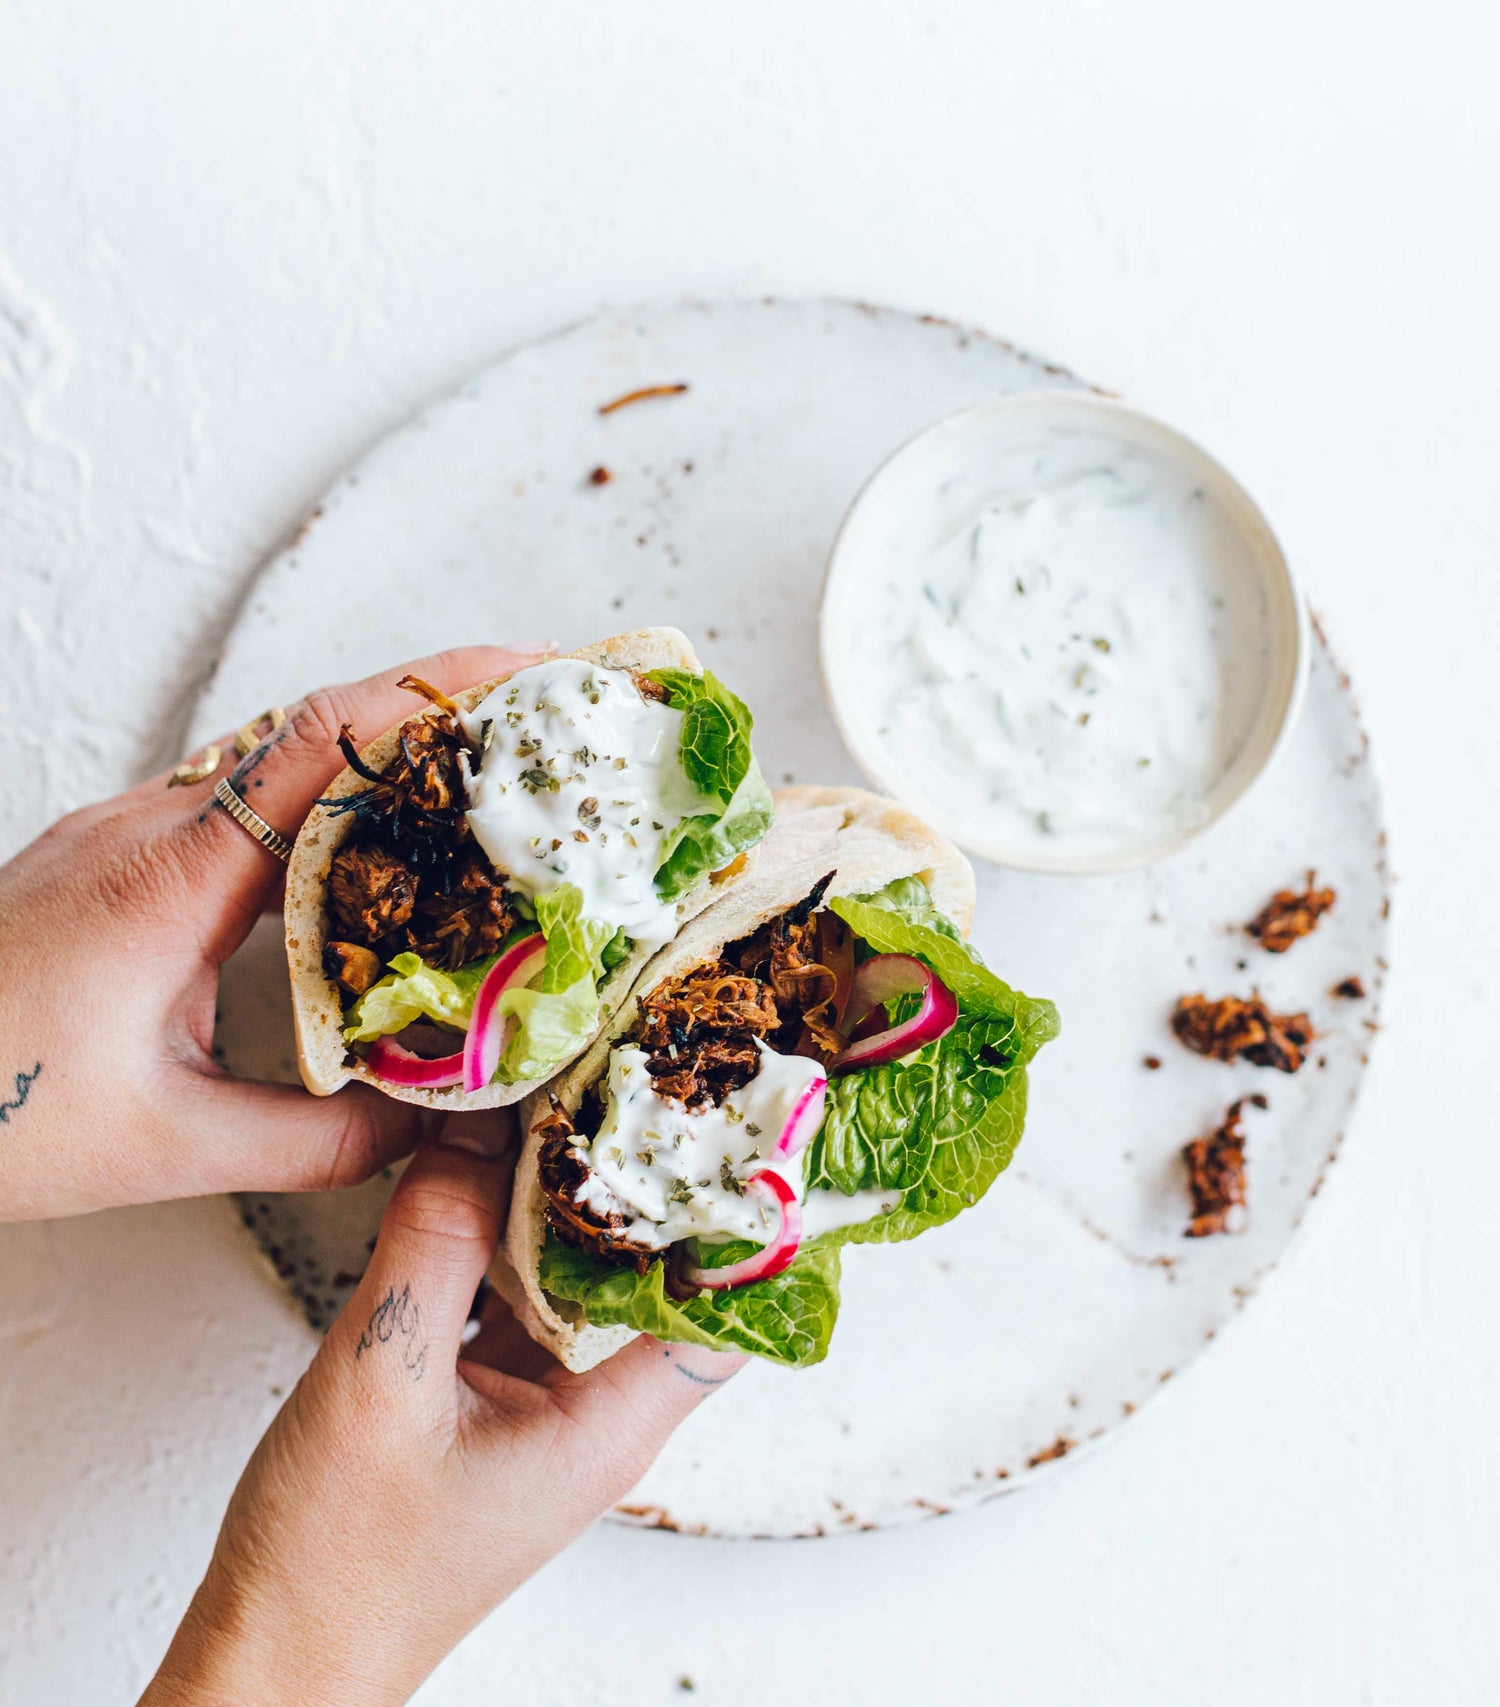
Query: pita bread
[(322, 1056), (866, 841)]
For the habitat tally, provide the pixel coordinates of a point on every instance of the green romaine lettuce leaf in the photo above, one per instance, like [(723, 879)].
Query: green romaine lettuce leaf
[(715, 746), (700, 845), (575, 943), (718, 761), (557, 1018), (786, 1320), (940, 1125), (616, 949), (413, 990)]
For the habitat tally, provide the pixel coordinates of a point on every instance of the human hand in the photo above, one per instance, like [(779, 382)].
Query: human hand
[(113, 926), (406, 1488)]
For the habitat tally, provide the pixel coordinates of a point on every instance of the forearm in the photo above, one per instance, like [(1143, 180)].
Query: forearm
[(228, 1653)]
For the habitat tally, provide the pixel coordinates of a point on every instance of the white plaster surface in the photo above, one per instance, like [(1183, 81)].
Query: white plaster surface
[(236, 242)]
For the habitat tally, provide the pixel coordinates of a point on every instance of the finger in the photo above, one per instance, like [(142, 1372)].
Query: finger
[(436, 1239), (604, 1428), (503, 1344), (282, 777), (649, 1381), (264, 1137), (625, 1409)]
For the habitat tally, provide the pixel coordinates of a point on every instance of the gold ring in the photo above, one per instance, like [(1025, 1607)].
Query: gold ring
[(249, 819), (188, 772), (246, 740)]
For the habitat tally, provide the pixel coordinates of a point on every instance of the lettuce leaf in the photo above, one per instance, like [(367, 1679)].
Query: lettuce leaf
[(575, 943), (413, 990), (700, 845), (718, 761), (941, 1125), (557, 1018), (787, 1320)]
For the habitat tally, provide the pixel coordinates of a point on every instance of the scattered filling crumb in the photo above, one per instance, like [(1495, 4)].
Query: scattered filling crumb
[(1289, 914), (1152, 1063), (1233, 1028), (1350, 989), (600, 476), (1216, 1174)]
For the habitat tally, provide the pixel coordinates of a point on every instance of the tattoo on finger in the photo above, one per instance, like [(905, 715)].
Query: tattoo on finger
[(692, 1374), (397, 1318), (256, 757), (17, 1101)]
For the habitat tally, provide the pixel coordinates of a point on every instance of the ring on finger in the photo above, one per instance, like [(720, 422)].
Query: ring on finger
[(246, 740), (197, 771), (251, 821)]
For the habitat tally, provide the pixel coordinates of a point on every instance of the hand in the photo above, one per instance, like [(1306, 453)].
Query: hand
[(406, 1488), (113, 927)]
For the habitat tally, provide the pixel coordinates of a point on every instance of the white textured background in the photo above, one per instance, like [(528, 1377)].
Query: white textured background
[(236, 241)]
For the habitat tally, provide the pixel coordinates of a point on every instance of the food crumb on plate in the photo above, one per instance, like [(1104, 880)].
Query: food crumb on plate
[(1216, 1174), (1290, 914), (1233, 1027)]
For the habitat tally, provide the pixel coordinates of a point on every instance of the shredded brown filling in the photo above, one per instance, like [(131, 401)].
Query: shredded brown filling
[(699, 1030), (1290, 914), (468, 919), (1216, 1174), (410, 877), (1233, 1028), (371, 892)]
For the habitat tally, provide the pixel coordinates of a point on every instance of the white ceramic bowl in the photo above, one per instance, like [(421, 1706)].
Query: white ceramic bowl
[(935, 453)]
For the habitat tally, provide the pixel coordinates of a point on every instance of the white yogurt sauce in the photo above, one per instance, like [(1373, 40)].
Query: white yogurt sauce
[(1063, 642), (582, 784), (680, 1174)]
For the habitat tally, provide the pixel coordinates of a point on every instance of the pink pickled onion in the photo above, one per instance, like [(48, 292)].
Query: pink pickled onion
[(770, 1259), (398, 1066), (804, 1120), (485, 1042), (877, 980)]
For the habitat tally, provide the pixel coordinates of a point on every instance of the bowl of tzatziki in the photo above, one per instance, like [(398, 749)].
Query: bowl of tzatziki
[(1061, 630)]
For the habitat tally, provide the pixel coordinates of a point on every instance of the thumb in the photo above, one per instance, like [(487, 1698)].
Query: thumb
[(270, 1137), (437, 1237)]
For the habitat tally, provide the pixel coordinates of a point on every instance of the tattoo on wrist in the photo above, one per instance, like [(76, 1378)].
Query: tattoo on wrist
[(399, 1318), (13, 1104), (691, 1375)]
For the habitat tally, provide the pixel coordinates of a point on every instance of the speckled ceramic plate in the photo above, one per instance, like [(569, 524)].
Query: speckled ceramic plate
[(985, 1353)]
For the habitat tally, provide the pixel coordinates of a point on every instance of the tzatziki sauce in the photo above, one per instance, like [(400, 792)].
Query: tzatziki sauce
[(679, 1173), (1059, 641), (581, 783)]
